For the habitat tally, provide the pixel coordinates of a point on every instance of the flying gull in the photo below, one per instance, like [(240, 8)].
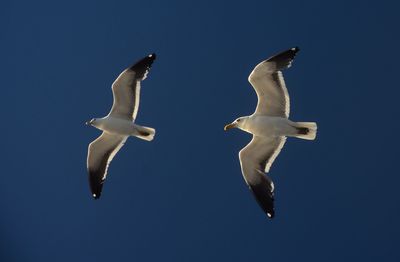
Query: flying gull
[(270, 126), (119, 124)]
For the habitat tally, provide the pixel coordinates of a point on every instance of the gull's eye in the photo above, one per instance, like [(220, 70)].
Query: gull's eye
[(238, 120)]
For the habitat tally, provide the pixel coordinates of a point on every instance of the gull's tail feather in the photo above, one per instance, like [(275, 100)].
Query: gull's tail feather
[(306, 130), (145, 133)]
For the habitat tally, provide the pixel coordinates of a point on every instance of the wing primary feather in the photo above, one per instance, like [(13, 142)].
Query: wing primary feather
[(100, 154), (263, 191), (142, 67), (284, 59), (268, 82), (97, 175), (126, 88), (256, 157)]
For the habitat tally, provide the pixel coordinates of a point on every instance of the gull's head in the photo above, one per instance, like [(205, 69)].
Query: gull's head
[(91, 122), (238, 123)]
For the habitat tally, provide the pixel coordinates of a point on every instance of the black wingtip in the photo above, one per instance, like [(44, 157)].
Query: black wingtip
[(95, 184), (264, 194), (96, 196), (143, 65), (284, 59), (96, 190)]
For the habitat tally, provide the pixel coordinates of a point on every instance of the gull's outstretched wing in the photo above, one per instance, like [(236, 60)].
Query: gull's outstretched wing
[(255, 159), (126, 89), (100, 154), (267, 80)]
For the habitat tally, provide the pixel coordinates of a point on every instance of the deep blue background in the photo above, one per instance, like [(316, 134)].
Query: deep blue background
[(182, 196)]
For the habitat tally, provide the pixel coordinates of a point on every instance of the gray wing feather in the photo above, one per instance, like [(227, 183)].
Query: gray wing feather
[(255, 158), (126, 89), (269, 84), (100, 154)]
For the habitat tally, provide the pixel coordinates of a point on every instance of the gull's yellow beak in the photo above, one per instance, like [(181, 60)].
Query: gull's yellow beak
[(229, 126)]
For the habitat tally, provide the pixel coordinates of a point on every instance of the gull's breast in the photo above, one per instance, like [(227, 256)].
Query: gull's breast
[(269, 126), (117, 126)]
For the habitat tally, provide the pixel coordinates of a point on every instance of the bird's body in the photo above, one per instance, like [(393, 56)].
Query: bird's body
[(122, 127), (119, 124), (269, 125)]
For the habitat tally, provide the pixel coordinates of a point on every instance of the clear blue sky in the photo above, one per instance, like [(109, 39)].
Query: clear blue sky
[(182, 196)]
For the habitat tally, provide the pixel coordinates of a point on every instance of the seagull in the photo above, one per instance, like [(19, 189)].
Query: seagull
[(119, 124), (270, 126)]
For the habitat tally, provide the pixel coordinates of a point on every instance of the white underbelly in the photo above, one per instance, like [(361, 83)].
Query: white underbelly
[(117, 126), (271, 126)]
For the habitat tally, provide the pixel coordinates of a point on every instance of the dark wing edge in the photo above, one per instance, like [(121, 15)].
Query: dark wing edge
[(98, 162), (268, 82), (257, 156), (142, 67), (97, 175), (264, 194), (284, 59), (126, 88)]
